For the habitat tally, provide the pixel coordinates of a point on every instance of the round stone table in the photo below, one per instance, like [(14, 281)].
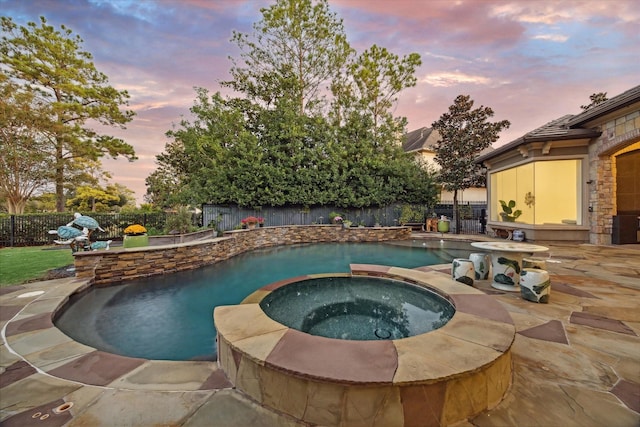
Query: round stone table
[(506, 261)]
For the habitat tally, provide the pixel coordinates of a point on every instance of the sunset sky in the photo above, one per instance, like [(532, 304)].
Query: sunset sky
[(532, 61)]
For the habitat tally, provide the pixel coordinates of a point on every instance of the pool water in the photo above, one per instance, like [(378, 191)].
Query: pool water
[(171, 317), (357, 308)]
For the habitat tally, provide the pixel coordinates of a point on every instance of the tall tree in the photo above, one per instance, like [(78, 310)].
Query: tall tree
[(378, 76), (295, 51), (279, 145), (25, 160), (51, 64), (464, 133)]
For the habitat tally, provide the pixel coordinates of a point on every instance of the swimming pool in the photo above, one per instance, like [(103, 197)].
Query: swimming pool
[(170, 317)]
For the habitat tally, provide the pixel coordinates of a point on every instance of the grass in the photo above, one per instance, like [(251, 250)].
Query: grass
[(20, 265)]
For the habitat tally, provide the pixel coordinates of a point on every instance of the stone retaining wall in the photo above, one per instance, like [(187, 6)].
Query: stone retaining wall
[(116, 265)]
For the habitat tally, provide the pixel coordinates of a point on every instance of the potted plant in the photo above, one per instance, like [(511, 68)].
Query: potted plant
[(135, 236), (443, 224), (250, 222), (260, 221), (508, 213), (335, 218)]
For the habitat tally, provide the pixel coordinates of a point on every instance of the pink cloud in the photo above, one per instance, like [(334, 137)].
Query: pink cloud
[(531, 61)]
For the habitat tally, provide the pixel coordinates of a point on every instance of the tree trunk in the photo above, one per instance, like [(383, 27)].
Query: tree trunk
[(15, 205), (456, 217), (59, 178)]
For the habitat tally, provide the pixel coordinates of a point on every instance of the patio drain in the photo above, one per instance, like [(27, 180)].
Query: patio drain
[(63, 408)]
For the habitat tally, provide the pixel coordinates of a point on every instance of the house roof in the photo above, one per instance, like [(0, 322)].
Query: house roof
[(419, 139), (568, 127), (555, 130), (626, 98), (425, 138)]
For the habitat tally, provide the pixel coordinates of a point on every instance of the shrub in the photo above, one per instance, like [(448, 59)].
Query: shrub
[(179, 222)]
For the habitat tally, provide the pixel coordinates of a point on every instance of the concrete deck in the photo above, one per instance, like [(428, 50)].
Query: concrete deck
[(576, 360)]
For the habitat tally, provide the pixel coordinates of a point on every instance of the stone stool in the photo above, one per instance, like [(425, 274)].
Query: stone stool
[(535, 285), (462, 271), (538, 263), (481, 264)]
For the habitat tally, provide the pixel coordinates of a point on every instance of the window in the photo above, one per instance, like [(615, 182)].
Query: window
[(547, 192)]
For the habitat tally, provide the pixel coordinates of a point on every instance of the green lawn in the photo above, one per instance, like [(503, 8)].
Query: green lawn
[(19, 265)]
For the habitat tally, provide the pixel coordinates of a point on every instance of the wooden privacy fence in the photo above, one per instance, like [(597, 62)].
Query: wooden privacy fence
[(32, 229), (227, 217)]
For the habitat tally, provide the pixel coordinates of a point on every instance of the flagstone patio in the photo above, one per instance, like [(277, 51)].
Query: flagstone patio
[(576, 360)]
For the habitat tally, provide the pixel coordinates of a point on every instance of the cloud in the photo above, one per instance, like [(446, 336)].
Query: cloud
[(552, 37), (446, 79), (531, 61)]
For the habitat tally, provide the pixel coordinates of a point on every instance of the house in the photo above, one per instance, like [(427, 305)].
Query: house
[(576, 178), (420, 143)]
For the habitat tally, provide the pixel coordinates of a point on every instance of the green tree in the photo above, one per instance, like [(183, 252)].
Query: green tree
[(378, 76), (25, 160), (161, 185), (50, 64), (464, 133), (92, 199), (165, 184), (112, 198), (45, 202), (214, 157), (278, 145), (294, 52), (595, 98)]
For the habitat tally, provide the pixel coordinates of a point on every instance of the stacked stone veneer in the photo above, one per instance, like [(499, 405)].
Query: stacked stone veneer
[(618, 136), (116, 265)]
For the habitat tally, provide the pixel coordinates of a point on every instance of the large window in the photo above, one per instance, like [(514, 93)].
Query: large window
[(547, 192)]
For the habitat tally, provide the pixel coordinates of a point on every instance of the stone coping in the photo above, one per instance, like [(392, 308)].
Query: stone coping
[(120, 264), (470, 352), (480, 326), (31, 334)]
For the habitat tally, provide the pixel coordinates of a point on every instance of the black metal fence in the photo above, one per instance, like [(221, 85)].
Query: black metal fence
[(473, 217), (33, 229)]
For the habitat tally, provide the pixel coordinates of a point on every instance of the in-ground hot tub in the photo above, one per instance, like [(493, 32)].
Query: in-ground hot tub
[(357, 308), (435, 378)]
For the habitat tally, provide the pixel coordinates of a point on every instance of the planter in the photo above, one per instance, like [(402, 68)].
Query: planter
[(443, 226), (135, 241)]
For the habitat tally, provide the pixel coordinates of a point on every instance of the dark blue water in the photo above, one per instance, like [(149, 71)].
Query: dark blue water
[(171, 317), (357, 308)]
